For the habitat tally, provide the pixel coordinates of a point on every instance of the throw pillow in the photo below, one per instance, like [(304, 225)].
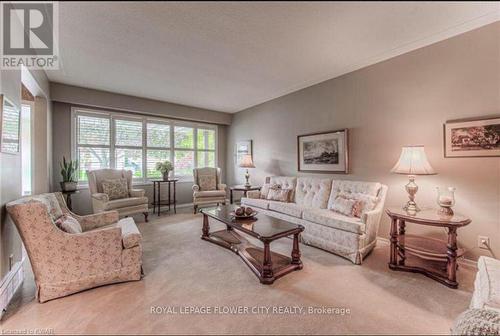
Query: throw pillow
[(68, 224), (207, 182), (115, 189), (343, 205), (265, 190), (279, 194), (358, 208)]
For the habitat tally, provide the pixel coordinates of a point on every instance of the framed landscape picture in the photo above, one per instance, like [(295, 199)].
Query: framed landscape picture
[(326, 152), (243, 148), (475, 138), (10, 126)]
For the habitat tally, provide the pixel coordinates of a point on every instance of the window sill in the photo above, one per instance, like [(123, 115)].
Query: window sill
[(139, 184)]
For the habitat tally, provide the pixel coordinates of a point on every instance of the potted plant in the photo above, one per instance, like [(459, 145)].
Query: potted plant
[(164, 168), (68, 173)]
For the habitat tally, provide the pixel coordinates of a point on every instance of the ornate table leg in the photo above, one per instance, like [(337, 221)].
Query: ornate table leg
[(159, 198), (394, 241), (154, 197), (68, 202), (175, 199), (206, 227), (296, 251), (267, 267), (169, 197), (401, 238), (451, 266)]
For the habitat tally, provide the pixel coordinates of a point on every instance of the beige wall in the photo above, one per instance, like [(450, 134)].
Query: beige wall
[(102, 99), (10, 165), (404, 100), (62, 147)]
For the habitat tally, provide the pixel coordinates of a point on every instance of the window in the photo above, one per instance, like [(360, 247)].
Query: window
[(128, 146), (206, 148), (116, 140), (92, 143)]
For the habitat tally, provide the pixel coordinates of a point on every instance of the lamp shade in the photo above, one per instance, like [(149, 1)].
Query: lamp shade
[(413, 161), (247, 162)]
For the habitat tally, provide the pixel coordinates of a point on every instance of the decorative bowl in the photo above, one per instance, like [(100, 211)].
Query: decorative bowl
[(245, 216)]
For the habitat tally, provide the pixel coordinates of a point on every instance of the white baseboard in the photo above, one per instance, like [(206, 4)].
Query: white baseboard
[(10, 284), (461, 261)]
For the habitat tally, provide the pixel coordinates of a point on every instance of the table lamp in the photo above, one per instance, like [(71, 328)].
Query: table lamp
[(412, 161), (247, 162)]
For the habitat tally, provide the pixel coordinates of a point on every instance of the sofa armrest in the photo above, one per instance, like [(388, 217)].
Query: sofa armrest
[(102, 197), (97, 220), (196, 187), (137, 192), (253, 194), (221, 186)]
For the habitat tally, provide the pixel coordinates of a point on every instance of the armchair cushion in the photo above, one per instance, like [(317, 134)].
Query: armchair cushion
[(210, 193), (131, 236), (125, 202), (115, 188), (137, 192), (68, 224), (101, 197), (207, 182)]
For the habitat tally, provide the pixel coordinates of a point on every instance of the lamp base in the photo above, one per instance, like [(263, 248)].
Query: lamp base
[(411, 188), (247, 179)]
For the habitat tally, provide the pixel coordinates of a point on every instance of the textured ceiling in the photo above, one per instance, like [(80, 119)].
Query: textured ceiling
[(230, 56)]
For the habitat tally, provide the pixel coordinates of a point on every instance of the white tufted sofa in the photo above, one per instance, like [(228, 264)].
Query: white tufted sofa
[(349, 237)]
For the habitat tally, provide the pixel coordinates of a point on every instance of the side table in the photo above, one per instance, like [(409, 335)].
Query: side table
[(67, 195), (241, 188), (432, 257), (171, 200)]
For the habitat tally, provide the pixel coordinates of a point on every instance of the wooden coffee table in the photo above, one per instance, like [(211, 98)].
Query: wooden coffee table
[(267, 265)]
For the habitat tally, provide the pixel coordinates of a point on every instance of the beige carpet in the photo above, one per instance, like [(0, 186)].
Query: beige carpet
[(184, 271)]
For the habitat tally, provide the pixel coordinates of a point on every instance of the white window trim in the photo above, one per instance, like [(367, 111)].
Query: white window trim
[(144, 180)]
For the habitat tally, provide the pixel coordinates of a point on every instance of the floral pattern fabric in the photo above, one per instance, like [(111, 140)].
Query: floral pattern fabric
[(66, 263), (116, 188), (207, 182)]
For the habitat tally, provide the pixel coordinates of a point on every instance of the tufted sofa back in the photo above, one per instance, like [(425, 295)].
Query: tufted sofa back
[(313, 192), (360, 190)]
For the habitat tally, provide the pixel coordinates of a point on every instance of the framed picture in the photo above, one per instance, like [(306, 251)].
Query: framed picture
[(326, 152), (10, 126), (474, 138), (243, 148)]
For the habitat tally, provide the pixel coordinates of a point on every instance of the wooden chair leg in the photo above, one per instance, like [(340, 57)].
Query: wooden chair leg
[(146, 214), (195, 209)]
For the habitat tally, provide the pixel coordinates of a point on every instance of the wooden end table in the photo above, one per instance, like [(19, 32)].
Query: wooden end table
[(157, 201), (241, 188), (67, 195), (432, 257)]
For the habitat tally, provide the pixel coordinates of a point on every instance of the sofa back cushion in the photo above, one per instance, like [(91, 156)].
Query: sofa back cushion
[(285, 182), (363, 191), (313, 192)]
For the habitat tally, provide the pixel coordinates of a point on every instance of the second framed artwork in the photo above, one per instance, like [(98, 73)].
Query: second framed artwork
[(326, 152)]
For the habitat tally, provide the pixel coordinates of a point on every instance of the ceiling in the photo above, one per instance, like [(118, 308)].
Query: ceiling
[(228, 56)]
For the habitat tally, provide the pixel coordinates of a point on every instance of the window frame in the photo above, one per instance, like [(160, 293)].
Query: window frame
[(145, 119)]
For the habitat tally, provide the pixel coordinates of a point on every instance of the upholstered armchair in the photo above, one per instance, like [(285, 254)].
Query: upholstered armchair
[(207, 188), (107, 250), (135, 203)]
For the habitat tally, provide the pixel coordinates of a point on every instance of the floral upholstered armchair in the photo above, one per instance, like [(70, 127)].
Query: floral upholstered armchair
[(207, 188), (103, 249), (132, 202)]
